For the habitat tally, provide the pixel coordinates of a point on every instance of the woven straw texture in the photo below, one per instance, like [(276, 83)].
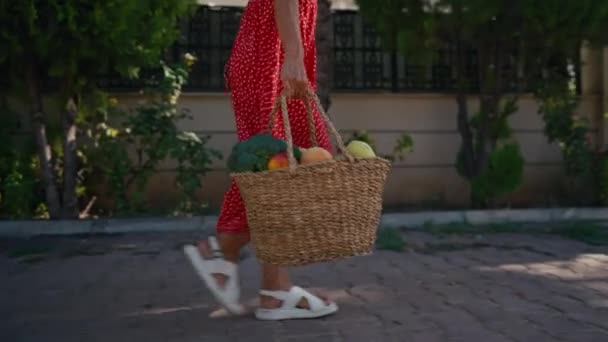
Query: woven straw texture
[(316, 212)]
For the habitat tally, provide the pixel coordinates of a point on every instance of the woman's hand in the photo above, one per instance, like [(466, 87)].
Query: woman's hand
[(293, 76)]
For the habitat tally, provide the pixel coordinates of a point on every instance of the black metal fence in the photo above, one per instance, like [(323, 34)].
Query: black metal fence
[(360, 61), (209, 36)]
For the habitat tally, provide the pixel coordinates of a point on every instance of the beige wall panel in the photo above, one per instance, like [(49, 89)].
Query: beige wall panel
[(423, 186)]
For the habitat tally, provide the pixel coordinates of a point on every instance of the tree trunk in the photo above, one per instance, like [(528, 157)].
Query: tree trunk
[(325, 53), (70, 161), (45, 155), (464, 127), (468, 153), (491, 81)]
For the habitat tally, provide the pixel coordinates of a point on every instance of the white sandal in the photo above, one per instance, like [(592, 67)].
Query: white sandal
[(289, 308), (228, 295)]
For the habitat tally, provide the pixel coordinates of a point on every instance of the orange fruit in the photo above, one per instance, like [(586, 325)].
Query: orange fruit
[(278, 161), (315, 155)]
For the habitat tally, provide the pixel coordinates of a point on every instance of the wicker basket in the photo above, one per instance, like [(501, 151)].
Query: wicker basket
[(316, 212)]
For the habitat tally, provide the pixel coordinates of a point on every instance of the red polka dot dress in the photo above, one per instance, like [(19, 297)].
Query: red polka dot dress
[(252, 76)]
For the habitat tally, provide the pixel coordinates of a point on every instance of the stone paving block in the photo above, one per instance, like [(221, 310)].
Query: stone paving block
[(560, 304), (216, 338), (554, 324), (426, 336), (411, 263), (538, 290), (362, 333), (599, 260), (485, 311), (376, 293), (303, 327), (251, 330), (466, 336), (517, 329), (514, 304), (456, 323), (249, 323), (598, 302), (601, 287), (467, 294), (472, 332), (581, 334), (307, 338), (435, 264), (403, 319), (421, 300), (350, 313), (453, 293), (456, 259), (561, 272)]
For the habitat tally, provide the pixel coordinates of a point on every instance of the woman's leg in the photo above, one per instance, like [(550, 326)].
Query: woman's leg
[(232, 231), (276, 278), (233, 235), (232, 227), (216, 260)]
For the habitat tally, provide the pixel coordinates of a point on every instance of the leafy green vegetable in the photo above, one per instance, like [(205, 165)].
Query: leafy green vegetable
[(253, 154)]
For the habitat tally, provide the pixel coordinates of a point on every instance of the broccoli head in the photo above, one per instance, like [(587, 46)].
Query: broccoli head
[(253, 154)]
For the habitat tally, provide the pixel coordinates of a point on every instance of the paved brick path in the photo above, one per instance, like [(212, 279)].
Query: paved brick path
[(138, 288)]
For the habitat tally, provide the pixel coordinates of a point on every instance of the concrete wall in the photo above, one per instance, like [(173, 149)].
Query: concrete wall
[(427, 175)]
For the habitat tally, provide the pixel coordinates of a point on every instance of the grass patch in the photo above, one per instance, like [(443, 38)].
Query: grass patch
[(585, 231), (23, 252), (451, 247), (29, 254), (506, 227), (467, 228), (451, 228), (83, 251), (390, 239)]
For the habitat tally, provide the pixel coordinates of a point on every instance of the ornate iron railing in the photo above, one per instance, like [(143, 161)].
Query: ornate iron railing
[(360, 61)]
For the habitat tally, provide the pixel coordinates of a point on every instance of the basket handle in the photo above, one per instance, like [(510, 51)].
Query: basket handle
[(328, 123), (281, 104)]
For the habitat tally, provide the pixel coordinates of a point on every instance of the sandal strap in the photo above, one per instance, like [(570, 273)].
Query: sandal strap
[(292, 297), (218, 264), (223, 267), (280, 295), (215, 247)]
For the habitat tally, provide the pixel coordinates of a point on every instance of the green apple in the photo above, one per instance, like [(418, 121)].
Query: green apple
[(360, 150)]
